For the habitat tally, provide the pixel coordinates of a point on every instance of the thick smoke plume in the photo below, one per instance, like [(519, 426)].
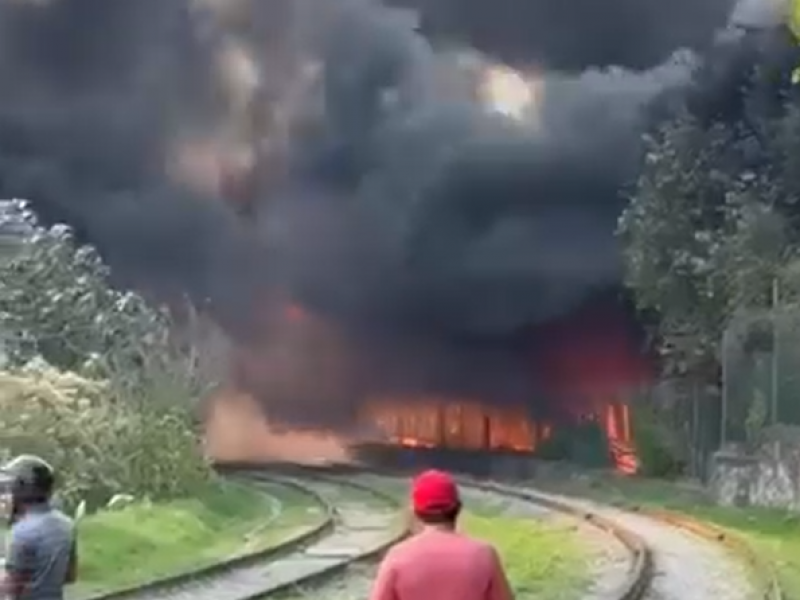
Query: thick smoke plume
[(466, 221), (383, 194), (98, 97)]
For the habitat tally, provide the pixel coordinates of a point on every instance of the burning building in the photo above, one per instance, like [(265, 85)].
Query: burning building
[(477, 397), (484, 379), (404, 238)]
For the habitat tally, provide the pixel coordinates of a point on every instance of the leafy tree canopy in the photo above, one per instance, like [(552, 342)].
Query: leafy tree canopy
[(714, 218), (56, 304), (116, 414)]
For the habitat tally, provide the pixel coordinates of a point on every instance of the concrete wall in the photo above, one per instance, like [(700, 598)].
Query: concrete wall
[(769, 477)]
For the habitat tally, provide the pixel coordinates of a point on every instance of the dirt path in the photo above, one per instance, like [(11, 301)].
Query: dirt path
[(686, 567)]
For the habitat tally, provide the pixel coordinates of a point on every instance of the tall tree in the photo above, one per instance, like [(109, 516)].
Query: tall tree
[(713, 219), (56, 304)]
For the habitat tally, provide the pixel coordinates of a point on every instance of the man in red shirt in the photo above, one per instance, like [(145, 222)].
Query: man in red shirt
[(439, 563)]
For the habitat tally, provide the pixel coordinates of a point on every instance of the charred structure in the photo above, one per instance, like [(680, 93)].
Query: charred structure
[(385, 248)]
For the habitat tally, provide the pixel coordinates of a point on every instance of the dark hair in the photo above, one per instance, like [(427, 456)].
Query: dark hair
[(445, 517), (34, 484)]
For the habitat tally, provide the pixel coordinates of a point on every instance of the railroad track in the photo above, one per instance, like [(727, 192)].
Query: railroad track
[(360, 524), (672, 557), (768, 586), (688, 559), (640, 569)]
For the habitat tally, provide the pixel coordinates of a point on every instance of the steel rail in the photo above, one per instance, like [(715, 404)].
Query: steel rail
[(765, 572), (237, 578), (638, 581), (396, 531), (250, 577), (640, 573)]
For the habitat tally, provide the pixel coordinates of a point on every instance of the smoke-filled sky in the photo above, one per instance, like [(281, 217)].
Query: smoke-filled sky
[(385, 193)]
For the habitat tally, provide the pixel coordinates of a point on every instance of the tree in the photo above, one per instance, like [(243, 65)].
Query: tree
[(116, 414), (702, 239), (713, 219), (56, 304)]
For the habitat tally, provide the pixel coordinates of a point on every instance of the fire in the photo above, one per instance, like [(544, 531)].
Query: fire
[(620, 438), (510, 92), (591, 358), (410, 442), (446, 423), (593, 361), (306, 365), (443, 423)]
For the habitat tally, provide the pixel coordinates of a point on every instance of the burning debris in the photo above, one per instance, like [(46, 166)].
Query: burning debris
[(397, 241)]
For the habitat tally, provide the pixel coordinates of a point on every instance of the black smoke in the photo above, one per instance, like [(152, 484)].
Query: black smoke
[(576, 34), (467, 222), (402, 204), (92, 95)]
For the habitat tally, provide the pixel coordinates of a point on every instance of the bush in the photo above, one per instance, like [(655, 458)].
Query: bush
[(114, 412), (658, 453), (99, 443), (584, 444), (557, 447)]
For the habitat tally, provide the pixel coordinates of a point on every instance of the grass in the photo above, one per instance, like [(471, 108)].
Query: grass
[(544, 560), (773, 534), (143, 542)]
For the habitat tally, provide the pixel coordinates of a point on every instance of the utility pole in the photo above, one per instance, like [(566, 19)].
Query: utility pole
[(775, 371)]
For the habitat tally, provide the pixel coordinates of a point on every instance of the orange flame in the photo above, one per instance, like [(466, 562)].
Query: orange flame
[(442, 422), (618, 431), (302, 343), (436, 423)]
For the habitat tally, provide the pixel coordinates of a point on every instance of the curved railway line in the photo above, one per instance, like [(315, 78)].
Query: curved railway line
[(668, 556), (688, 559), (360, 523)]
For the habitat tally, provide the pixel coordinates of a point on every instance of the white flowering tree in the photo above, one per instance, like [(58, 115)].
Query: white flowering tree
[(93, 381), (55, 303)]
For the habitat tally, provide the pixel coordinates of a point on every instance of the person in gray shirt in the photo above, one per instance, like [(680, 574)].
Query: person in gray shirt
[(42, 556)]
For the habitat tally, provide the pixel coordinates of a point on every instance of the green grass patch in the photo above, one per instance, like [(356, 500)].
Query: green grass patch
[(773, 534), (544, 559), (143, 542)]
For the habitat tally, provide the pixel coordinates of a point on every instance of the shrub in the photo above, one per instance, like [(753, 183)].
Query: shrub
[(658, 453), (584, 444), (100, 444), (113, 414)]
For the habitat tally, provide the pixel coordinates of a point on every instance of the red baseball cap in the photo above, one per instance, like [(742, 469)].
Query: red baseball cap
[(434, 492)]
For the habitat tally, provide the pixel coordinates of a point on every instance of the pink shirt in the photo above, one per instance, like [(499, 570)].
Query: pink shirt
[(441, 565)]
